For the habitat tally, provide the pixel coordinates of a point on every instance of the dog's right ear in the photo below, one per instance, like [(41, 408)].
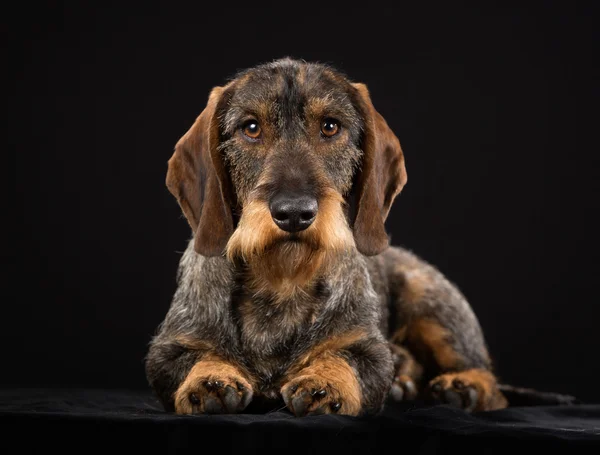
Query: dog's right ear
[(197, 178)]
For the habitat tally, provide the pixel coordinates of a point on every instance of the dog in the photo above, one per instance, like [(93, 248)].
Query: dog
[(289, 290)]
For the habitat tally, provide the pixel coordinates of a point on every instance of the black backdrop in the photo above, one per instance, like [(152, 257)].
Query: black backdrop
[(491, 105)]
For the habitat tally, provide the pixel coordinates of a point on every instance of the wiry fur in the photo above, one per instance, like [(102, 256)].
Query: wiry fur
[(282, 268), (330, 319)]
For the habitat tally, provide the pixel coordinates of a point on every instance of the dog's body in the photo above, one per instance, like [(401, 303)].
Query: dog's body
[(288, 289)]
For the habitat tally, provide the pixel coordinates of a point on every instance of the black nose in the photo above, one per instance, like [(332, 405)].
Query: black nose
[(293, 213)]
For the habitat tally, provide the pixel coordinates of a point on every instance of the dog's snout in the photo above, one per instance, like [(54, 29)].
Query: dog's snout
[(293, 213)]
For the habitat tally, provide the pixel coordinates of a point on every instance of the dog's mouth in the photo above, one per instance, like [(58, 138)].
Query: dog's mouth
[(289, 243), (294, 237)]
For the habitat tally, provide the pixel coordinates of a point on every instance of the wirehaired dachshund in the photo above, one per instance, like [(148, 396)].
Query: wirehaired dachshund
[(289, 291)]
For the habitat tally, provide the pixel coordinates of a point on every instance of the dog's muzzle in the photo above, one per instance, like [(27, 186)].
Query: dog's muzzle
[(293, 213)]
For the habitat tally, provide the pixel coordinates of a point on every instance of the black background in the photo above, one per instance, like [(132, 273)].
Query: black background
[(494, 106)]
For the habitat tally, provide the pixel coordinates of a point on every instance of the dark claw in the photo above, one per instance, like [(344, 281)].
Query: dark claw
[(299, 405), (212, 405), (194, 399), (397, 392), (335, 407), (458, 384), (319, 393), (231, 399), (411, 389), (470, 400), (453, 398), (246, 398)]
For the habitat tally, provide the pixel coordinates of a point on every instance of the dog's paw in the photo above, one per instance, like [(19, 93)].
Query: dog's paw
[(314, 395), (213, 387), (471, 390), (403, 389)]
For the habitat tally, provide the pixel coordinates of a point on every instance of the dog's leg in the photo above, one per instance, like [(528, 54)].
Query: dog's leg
[(167, 364), (349, 374), (191, 363), (442, 332), (190, 378)]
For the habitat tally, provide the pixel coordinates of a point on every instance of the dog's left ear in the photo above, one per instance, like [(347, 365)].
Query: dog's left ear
[(382, 177), (198, 180)]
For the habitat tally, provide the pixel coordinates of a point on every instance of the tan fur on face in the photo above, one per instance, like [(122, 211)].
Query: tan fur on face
[(256, 230), (286, 267)]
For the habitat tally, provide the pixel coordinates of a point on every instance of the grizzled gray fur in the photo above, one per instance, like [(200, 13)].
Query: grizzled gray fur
[(288, 292)]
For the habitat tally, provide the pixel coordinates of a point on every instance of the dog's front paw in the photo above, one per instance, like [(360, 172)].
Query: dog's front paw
[(314, 395), (213, 387), (471, 390)]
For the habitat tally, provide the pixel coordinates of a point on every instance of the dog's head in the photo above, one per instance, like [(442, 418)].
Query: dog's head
[(288, 157)]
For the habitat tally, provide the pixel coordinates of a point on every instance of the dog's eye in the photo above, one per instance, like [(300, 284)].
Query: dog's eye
[(330, 127), (251, 129)]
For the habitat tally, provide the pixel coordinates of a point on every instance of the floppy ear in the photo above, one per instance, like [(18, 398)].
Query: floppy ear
[(197, 178), (381, 179)]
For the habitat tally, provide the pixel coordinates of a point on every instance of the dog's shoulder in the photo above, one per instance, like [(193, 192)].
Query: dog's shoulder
[(393, 258)]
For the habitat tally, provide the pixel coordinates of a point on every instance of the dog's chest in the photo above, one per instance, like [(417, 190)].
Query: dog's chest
[(269, 331)]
